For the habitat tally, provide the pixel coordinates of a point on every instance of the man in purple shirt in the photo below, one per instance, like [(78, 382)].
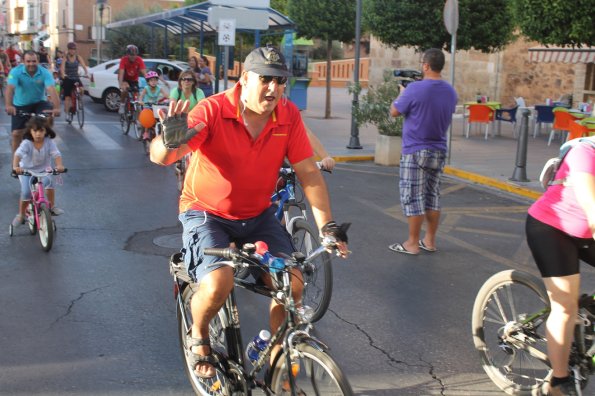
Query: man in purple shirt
[(427, 106)]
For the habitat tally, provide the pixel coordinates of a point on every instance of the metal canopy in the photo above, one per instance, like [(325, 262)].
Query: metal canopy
[(194, 19), (562, 54)]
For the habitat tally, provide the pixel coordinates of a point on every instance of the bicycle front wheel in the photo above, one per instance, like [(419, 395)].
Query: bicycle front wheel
[(138, 128), (313, 371), (508, 326), (318, 274), (80, 111), (219, 385), (124, 124), (46, 228)]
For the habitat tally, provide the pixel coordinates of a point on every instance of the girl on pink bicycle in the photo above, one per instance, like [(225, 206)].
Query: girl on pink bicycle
[(35, 153)]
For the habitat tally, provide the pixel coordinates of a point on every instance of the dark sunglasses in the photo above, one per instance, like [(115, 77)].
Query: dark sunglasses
[(188, 79), (268, 79)]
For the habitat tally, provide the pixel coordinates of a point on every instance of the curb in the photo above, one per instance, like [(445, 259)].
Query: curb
[(469, 176), (488, 181)]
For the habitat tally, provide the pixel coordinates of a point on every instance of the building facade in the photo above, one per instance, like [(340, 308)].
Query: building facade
[(55, 23)]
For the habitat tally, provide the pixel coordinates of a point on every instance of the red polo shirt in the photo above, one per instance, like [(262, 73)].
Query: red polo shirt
[(231, 174)]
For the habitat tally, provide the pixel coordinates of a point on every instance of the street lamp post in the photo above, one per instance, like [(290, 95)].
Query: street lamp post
[(100, 7)]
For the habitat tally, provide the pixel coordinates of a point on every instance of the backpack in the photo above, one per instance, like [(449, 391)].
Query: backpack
[(548, 173)]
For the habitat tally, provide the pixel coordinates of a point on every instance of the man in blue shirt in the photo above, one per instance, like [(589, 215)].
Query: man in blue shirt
[(26, 90), (427, 106)]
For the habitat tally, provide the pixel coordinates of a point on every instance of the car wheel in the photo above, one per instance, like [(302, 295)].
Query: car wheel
[(111, 99)]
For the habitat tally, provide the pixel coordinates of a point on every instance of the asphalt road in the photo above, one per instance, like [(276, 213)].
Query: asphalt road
[(96, 315)]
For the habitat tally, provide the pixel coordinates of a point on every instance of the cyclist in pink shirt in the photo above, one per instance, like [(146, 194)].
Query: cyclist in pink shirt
[(560, 231)]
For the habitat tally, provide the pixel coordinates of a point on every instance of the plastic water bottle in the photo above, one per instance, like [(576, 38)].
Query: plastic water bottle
[(257, 345), (275, 264)]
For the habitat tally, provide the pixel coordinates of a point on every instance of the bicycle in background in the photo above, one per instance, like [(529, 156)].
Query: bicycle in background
[(304, 366), (508, 326), (148, 120), (130, 115), (38, 215), (76, 107)]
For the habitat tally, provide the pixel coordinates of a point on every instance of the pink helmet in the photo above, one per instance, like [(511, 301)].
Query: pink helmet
[(151, 74)]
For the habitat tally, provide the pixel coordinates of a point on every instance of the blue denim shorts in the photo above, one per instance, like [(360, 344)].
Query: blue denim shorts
[(26, 185), (419, 181), (205, 230)]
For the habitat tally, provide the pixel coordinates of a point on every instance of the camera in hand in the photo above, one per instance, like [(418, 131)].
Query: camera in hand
[(406, 76)]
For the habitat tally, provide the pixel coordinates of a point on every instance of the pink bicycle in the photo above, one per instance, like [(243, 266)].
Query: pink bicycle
[(39, 212)]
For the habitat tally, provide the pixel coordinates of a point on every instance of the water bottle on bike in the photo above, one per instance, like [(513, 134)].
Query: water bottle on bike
[(257, 345), (275, 264)]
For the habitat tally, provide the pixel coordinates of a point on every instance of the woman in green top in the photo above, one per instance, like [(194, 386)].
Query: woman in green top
[(187, 89)]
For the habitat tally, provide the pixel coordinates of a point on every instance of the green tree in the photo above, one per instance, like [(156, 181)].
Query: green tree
[(557, 22), (328, 20), (137, 34), (486, 26)]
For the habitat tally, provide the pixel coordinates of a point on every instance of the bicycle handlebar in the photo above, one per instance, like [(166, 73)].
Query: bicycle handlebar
[(27, 172)]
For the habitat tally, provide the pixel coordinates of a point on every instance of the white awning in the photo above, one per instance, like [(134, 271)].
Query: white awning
[(561, 54)]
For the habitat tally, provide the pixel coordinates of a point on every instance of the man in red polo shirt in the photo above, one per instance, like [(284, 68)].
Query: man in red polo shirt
[(240, 138), (131, 67)]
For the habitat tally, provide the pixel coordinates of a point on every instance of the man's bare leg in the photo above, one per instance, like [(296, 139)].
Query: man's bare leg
[(432, 222), (17, 138), (210, 297)]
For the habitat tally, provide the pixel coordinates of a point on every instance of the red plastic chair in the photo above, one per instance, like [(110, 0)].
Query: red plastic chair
[(482, 114), (562, 121)]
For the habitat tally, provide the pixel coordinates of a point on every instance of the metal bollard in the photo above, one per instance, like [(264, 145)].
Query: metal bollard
[(520, 170)]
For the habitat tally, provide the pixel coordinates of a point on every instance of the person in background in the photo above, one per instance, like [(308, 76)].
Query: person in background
[(37, 152), (69, 71), (240, 139), (560, 229), (427, 106), (131, 67), (45, 59), (205, 77), (13, 51), (58, 60), (28, 87)]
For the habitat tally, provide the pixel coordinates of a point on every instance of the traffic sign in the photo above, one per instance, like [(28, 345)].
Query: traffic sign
[(227, 32), (451, 16), (245, 18)]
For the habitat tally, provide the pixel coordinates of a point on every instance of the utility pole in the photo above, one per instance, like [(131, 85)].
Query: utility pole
[(99, 34)]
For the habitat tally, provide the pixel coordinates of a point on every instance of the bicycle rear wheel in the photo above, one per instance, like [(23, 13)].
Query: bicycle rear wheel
[(80, 110), (508, 326), (46, 228), (318, 275), (314, 372), (219, 385)]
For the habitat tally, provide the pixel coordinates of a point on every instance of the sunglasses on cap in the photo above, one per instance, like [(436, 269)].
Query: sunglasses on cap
[(187, 79), (268, 79)]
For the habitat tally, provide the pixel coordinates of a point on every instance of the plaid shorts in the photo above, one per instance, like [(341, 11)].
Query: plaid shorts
[(419, 182)]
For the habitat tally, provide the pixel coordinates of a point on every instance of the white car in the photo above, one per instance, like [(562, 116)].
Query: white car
[(102, 83)]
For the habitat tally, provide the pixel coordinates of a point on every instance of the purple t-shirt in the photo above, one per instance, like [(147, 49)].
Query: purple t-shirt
[(427, 106)]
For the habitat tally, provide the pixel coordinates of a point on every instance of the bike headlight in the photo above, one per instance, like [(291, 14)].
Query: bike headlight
[(305, 313)]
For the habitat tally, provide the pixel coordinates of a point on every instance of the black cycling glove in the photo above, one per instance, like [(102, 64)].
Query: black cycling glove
[(338, 231), (176, 131)]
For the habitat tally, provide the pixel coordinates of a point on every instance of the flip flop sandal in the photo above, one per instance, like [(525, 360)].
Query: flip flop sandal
[(423, 246), (399, 248), (196, 358)]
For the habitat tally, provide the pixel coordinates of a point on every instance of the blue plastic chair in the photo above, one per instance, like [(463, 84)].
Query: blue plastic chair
[(545, 115), (507, 115)]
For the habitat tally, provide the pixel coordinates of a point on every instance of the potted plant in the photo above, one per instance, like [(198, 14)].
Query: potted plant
[(374, 109)]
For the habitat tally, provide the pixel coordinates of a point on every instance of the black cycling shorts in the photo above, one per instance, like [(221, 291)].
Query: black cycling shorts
[(133, 85), (18, 121), (68, 85), (555, 252)]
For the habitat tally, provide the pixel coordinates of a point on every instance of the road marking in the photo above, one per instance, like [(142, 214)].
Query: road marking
[(99, 139)]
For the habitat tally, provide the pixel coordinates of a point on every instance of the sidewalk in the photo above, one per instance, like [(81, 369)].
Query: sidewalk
[(488, 162)]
